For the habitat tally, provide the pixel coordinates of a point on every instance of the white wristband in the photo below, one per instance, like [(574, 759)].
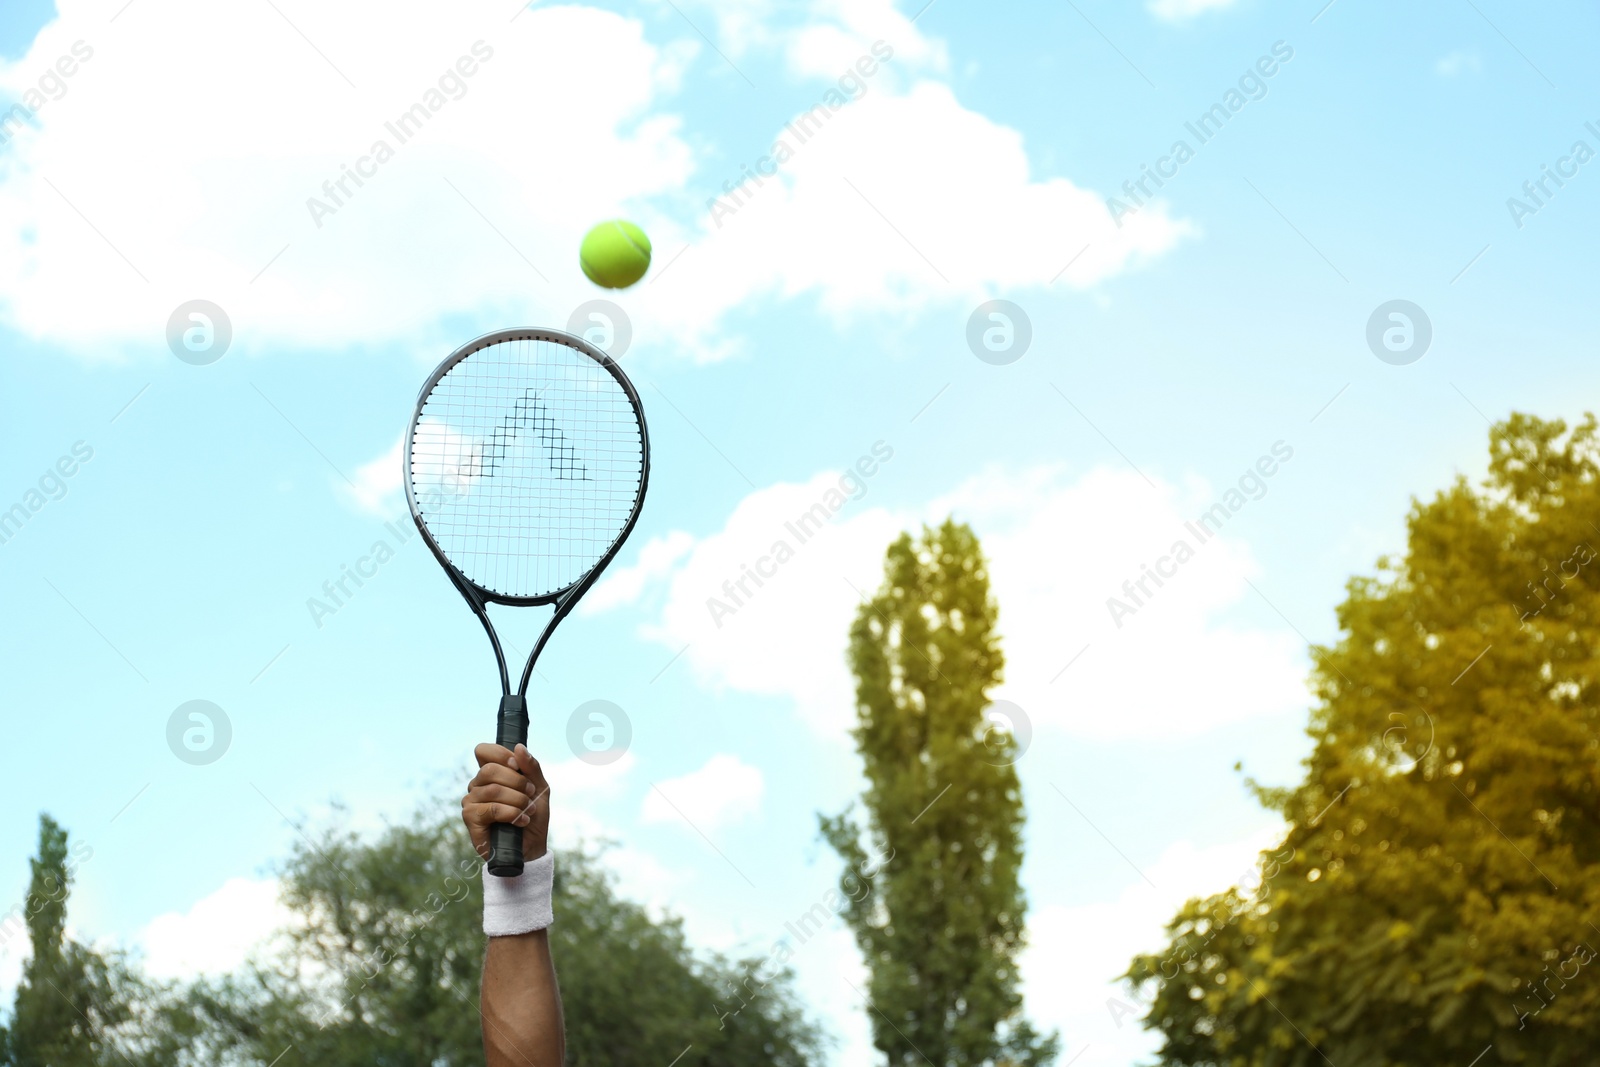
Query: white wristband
[(519, 905)]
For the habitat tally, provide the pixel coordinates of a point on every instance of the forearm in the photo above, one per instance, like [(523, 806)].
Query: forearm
[(521, 1003)]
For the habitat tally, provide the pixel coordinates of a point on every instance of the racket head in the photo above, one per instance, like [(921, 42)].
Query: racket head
[(526, 464)]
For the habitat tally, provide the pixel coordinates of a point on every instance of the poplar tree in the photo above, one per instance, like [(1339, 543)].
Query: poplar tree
[(943, 924)]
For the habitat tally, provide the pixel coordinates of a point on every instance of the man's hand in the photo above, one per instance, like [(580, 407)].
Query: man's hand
[(520, 1002), (509, 787)]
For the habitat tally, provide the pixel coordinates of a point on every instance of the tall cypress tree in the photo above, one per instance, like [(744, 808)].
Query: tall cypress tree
[(68, 1002), (943, 924)]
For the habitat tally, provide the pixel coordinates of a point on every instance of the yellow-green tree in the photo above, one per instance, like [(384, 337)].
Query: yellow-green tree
[(1437, 896), (943, 922)]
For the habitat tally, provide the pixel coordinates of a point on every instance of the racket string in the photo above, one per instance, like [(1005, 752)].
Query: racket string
[(527, 462)]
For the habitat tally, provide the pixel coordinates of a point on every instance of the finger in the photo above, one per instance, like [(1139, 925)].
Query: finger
[(484, 815), (532, 770), (494, 774), (500, 794), (486, 754)]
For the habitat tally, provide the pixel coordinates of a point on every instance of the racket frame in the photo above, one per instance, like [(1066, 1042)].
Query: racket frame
[(505, 840)]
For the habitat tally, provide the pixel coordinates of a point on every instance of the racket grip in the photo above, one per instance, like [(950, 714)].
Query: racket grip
[(505, 840)]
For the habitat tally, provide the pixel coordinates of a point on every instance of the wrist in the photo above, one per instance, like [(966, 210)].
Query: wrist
[(521, 904)]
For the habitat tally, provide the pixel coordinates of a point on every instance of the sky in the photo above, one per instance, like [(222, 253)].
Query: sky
[(1343, 270)]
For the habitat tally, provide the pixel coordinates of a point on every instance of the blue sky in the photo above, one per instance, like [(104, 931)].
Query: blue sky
[(773, 346)]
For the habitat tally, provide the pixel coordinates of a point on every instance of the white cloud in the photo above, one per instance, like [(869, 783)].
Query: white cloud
[(1457, 63), (623, 585), (1182, 10), (1074, 953), (640, 876), (205, 194), (376, 489), (821, 38), (831, 977), (580, 795), (1058, 550), (217, 934), (577, 778), (721, 793), (799, 614), (899, 200), (643, 878), (464, 219)]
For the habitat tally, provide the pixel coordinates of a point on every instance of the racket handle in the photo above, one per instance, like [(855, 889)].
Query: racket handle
[(505, 840)]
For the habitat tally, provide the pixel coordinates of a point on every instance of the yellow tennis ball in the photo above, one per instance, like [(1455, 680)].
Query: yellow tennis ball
[(615, 254)]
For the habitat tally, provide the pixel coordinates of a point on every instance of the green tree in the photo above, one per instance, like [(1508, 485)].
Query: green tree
[(943, 924), (74, 1007), (1438, 889), (383, 969)]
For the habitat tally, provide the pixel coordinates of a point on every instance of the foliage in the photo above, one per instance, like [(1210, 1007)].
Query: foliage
[(944, 923), (1440, 883), (74, 1007), (383, 969)]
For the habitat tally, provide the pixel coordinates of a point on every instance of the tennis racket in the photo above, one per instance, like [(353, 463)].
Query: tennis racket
[(525, 470)]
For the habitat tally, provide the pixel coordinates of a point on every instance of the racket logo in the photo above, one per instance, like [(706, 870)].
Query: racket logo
[(531, 411), (453, 463)]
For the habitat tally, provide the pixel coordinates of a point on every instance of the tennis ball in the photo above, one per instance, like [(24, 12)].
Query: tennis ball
[(615, 254)]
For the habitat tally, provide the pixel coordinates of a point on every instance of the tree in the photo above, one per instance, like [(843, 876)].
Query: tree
[(383, 969), (1438, 889), (74, 1006), (943, 926)]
